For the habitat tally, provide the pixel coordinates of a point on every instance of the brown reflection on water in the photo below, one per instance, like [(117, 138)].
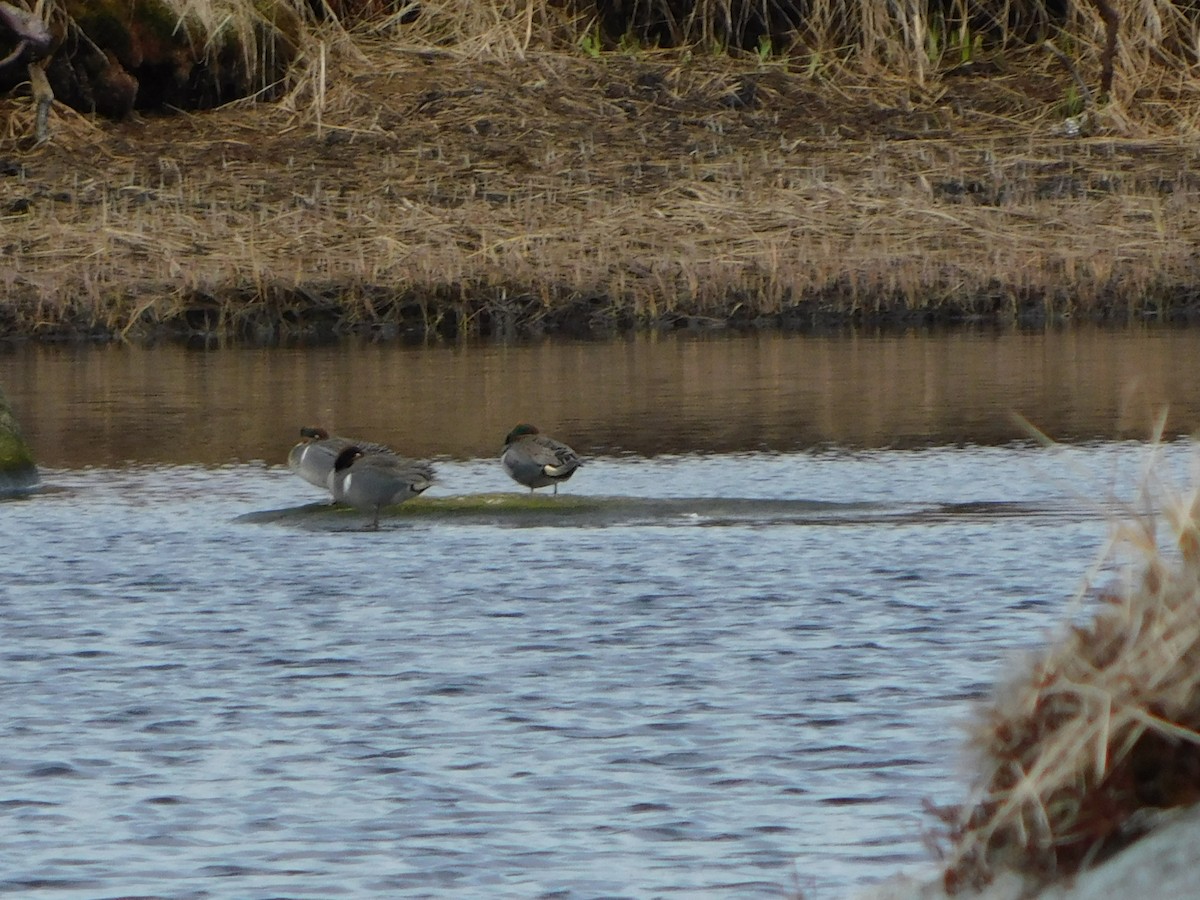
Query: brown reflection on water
[(649, 394)]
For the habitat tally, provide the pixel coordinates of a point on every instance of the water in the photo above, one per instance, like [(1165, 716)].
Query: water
[(647, 396), (212, 690)]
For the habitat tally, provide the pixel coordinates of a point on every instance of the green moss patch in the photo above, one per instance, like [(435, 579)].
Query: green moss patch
[(17, 468), (534, 510)]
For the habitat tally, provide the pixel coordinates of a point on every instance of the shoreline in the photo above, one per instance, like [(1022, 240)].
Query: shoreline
[(299, 314), (807, 319)]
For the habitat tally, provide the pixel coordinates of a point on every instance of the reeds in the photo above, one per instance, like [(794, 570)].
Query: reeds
[(1100, 733), (472, 167)]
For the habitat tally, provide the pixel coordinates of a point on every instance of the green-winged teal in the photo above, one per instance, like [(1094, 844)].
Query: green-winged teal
[(371, 481), (535, 460), (312, 459)]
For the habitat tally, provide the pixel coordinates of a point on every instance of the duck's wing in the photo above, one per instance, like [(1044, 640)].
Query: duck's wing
[(369, 447), (313, 460), (414, 471), (556, 453), (555, 458)]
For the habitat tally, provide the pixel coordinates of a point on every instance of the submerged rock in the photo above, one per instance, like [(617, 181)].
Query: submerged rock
[(1161, 864), (17, 469)]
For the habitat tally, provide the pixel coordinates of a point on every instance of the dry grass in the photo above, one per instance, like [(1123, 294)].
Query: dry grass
[(1102, 730), (474, 170)]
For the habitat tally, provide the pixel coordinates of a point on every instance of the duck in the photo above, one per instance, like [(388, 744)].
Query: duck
[(312, 459), (536, 460), (370, 481)]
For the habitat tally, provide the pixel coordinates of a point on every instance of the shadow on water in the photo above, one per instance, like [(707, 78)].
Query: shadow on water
[(29, 492)]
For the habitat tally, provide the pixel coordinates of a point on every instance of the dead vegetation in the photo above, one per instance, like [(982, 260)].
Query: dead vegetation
[(504, 168), (1083, 751)]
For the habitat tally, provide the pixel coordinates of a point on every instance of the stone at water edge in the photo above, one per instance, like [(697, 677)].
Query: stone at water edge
[(18, 472), (1161, 864)]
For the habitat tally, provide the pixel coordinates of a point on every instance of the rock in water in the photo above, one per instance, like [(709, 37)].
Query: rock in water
[(17, 469)]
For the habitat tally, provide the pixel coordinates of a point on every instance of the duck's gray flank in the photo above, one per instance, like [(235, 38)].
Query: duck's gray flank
[(537, 460), (371, 481), (313, 458)]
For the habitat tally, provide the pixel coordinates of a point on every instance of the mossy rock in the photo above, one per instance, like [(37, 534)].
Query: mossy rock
[(17, 469), (524, 509)]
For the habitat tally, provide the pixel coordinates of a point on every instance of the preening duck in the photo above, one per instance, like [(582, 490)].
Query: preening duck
[(371, 481), (536, 460), (313, 458)]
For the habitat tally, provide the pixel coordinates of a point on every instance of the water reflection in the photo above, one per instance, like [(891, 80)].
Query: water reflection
[(647, 395)]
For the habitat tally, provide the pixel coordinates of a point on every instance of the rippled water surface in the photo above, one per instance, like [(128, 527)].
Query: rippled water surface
[(708, 674)]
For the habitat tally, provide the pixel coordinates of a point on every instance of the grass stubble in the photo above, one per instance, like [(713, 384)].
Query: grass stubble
[(484, 169)]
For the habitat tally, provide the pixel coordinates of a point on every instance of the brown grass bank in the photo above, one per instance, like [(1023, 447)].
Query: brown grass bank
[(1096, 741), (493, 184)]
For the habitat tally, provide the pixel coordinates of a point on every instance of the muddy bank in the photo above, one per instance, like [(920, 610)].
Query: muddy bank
[(431, 194)]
